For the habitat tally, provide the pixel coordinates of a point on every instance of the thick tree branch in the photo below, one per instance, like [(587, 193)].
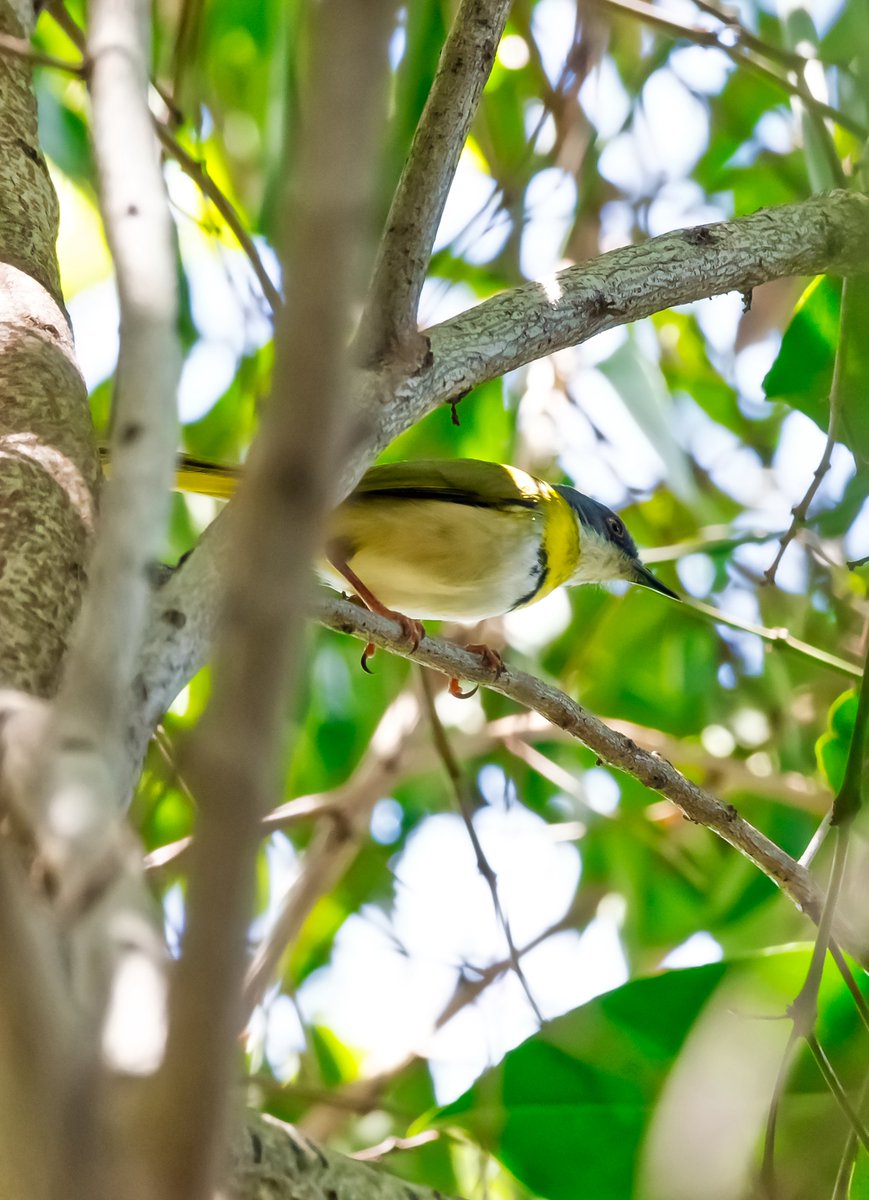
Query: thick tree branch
[(826, 234), (275, 529), (388, 329)]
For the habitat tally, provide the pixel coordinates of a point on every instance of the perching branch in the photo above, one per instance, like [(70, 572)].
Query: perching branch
[(611, 747), (388, 329)]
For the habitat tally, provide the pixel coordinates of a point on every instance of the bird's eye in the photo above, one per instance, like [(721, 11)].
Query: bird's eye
[(616, 527)]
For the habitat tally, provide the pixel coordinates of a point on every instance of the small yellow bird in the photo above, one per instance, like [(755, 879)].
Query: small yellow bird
[(459, 540)]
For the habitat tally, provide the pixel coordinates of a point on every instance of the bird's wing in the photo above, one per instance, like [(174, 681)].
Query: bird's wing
[(460, 481)]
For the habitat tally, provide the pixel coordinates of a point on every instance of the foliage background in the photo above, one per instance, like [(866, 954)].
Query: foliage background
[(599, 126)]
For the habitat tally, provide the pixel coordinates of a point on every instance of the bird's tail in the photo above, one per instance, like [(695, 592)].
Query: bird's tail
[(197, 475), (205, 478)]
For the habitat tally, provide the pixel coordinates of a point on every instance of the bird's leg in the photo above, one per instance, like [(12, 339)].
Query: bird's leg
[(412, 631), (491, 659)]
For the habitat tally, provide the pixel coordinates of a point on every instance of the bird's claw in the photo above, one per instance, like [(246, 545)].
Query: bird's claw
[(412, 632), (491, 659)]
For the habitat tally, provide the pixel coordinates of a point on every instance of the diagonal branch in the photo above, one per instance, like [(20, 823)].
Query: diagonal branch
[(388, 326), (825, 234), (610, 746)]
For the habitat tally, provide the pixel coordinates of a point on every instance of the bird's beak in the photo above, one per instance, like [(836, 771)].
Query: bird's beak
[(643, 576)]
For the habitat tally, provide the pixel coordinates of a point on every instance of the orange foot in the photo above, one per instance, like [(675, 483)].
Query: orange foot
[(412, 632), (491, 658)]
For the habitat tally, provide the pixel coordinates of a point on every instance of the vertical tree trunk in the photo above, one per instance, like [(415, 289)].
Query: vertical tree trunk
[(48, 465)]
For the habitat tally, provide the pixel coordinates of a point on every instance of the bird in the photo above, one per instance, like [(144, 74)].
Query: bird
[(459, 540)]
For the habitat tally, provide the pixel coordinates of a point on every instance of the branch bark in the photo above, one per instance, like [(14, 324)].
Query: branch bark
[(48, 466), (825, 234), (80, 794), (388, 330), (273, 1159), (612, 747)]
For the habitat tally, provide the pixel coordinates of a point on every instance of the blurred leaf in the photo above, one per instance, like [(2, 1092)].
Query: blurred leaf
[(833, 746), (336, 1062), (641, 386), (853, 412)]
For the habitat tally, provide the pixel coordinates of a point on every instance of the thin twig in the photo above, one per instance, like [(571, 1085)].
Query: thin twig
[(804, 1009), (837, 1090), (337, 844), (800, 511), (193, 169), (460, 791), (787, 58), (198, 172), (363, 1095), (389, 321), (19, 48), (777, 637), (650, 15)]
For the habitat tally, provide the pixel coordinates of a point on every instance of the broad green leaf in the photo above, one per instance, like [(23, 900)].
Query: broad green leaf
[(802, 373), (854, 382), (568, 1110)]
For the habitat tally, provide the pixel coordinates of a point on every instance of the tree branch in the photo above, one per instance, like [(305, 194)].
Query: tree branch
[(611, 747), (275, 529), (388, 330), (273, 1159), (825, 234), (81, 796)]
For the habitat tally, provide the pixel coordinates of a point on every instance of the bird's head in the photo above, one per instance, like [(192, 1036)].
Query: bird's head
[(608, 550)]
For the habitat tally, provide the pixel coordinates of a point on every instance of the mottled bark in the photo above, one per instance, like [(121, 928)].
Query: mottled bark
[(48, 466)]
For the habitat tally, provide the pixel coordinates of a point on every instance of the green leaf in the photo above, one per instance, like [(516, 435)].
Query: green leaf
[(802, 373), (854, 374), (832, 746), (568, 1110)]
